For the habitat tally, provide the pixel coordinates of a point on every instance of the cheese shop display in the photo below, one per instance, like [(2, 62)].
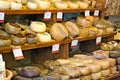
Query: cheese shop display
[(48, 4)]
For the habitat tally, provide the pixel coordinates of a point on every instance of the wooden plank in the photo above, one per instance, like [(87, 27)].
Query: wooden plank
[(51, 10)]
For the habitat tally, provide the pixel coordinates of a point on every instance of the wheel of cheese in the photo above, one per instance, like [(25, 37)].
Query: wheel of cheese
[(44, 37), (64, 77), (61, 5), (80, 56), (16, 6), (58, 31), (104, 64), (83, 5), (43, 5), (112, 61), (101, 31), (83, 22), (31, 5), (96, 76), (114, 54), (84, 70), (94, 69), (73, 5), (31, 38), (4, 34), (5, 42), (63, 61), (88, 77), (37, 26), (113, 70), (4, 4), (72, 28), (84, 32), (93, 31), (109, 29), (105, 73), (18, 39), (12, 28), (24, 2)]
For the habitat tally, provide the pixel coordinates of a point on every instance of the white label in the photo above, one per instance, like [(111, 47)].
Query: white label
[(96, 13), (55, 48), (98, 40), (87, 13), (1, 58), (17, 51), (47, 15), (2, 15), (74, 43), (59, 15)]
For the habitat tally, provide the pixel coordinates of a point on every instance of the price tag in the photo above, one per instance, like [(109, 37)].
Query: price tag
[(55, 48), (59, 16), (74, 43), (96, 13), (17, 51), (47, 15), (87, 13), (1, 58), (2, 15), (98, 40)]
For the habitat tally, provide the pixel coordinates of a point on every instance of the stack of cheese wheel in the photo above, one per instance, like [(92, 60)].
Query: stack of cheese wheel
[(105, 65), (40, 28), (95, 71), (58, 31)]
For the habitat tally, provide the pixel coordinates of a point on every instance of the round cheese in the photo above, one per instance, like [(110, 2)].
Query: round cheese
[(43, 5), (61, 5), (4, 4), (72, 5), (38, 26), (31, 5), (16, 6), (44, 37)]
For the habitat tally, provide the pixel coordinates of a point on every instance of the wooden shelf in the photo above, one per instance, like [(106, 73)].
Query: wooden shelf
[(42, 11), (114, 15), (41, 45)]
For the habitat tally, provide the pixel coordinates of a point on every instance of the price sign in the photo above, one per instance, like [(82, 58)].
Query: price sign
[(1, 58), (87, 13), (74, 43), (98, 40), (96, 13), (47, 15), (2, 15), (17, 51), (59, 16), (55, 48)]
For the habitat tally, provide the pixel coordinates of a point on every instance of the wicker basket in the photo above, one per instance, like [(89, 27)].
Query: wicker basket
[(9, 75)]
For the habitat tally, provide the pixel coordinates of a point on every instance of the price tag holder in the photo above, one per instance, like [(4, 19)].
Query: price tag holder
[(55, 48), (47, 15), (1, 58), (74, 43), (17, 52), (98, 40), (96, 13), (59, 16), (2, 16), (87, 13)]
